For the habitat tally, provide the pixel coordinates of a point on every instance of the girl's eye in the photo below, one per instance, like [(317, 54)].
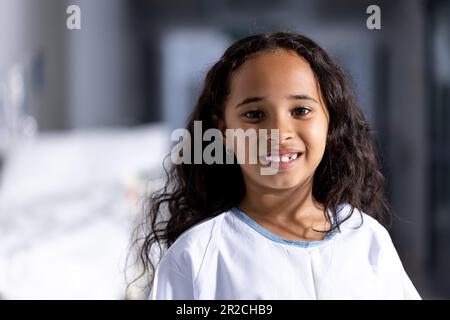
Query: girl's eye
[(301, 111), (253, 114)]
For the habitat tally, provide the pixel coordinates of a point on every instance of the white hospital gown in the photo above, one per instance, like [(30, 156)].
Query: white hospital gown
[(230, 256)]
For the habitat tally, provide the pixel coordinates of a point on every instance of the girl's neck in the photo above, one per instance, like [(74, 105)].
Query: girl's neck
[(284, 206)]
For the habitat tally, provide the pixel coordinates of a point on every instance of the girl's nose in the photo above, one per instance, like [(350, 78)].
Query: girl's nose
[(284, 125)]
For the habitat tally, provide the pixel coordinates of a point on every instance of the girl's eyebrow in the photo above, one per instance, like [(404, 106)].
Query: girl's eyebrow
[(249, 100), (302, 97), (291, 97)]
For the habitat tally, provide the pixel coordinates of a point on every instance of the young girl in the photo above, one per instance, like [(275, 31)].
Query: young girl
[(311, 230)]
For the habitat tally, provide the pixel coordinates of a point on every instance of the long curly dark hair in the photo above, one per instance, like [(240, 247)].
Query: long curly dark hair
[(349, 171)]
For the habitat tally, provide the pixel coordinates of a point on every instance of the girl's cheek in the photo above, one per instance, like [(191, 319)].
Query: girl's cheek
[(318, 134), (315, 142)]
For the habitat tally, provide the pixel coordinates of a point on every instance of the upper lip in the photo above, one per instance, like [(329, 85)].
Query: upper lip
[(282, 152)]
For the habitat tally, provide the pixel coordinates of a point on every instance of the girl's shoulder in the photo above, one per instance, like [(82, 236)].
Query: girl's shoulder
[(355, 223), (188, 250), (200, 234)]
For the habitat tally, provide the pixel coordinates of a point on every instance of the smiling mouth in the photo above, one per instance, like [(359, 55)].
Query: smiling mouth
[(282, 159)]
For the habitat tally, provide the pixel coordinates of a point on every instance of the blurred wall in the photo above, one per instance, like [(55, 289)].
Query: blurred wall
[(33, 39), (106, 87), (406, 137)]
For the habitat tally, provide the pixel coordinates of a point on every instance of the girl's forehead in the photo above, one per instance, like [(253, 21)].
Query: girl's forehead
[(278, 71)]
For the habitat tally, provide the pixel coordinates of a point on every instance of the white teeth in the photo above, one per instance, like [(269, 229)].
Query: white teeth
[(283, 158)]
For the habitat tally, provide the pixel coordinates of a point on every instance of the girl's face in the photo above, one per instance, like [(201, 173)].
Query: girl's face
[(278, 90)]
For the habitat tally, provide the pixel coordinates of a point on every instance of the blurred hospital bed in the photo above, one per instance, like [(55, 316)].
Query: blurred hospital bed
[(68, 203)]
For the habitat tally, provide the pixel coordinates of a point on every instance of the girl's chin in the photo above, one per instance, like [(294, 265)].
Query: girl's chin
[(281, 182)]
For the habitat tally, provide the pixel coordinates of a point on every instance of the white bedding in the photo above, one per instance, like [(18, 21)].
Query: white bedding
[(67, 203)]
